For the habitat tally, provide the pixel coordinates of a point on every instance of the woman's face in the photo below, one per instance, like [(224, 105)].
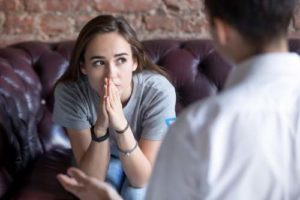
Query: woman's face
[(109, 55)]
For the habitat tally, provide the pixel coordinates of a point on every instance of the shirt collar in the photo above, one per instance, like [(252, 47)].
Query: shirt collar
[(269, 64)]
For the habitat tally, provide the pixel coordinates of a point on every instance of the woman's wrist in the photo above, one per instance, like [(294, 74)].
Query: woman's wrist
[(124, 129), (99, 137), (99, 131)]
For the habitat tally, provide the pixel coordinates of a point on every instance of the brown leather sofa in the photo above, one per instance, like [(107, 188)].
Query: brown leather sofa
[(33, 149)]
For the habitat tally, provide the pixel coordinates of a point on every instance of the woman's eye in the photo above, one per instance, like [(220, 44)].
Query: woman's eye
[(98, 63), (121, 60)]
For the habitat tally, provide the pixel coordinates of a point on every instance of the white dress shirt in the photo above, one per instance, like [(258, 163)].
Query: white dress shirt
[(243, 143)]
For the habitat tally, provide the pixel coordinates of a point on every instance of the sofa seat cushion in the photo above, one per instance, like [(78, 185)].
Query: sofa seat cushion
[(41, 182)]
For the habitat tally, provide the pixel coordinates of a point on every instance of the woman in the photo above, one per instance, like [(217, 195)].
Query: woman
[(115, 105)]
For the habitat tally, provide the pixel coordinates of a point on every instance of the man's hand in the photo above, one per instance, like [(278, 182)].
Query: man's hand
[(86, 187)]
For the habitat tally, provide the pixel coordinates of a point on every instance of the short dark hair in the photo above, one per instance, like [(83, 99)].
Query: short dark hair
[(258, 21)]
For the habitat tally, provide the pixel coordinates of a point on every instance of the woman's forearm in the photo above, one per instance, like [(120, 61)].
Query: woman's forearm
[(95, 160), (136, 165)]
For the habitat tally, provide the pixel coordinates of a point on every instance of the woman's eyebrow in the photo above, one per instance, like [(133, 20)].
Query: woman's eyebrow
[(97, 57), (121, 54), (102, 57)]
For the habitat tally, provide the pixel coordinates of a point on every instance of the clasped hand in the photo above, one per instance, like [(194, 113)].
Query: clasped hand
[(110, 112)]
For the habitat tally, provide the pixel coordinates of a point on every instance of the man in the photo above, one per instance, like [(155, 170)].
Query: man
[(243, 143)]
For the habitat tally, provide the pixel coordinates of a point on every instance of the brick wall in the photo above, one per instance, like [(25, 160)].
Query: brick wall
[(54, 20)]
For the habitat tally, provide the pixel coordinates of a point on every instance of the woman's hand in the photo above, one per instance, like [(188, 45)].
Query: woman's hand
[(102, 122), (114, 108)]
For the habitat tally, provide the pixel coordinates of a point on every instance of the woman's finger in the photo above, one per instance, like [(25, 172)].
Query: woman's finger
[(108, 105), (115, 93), (104, 107), (105, 87), (111, 90)]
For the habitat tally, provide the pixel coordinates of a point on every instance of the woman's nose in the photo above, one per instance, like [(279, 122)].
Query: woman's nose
[(111, 70)]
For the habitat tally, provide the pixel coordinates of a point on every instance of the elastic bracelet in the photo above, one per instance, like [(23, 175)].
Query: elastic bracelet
[(127, 152), (123, 131), (101, 138)]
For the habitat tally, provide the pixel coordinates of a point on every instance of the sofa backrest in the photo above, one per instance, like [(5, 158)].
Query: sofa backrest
[(196, 68), (29, 70)]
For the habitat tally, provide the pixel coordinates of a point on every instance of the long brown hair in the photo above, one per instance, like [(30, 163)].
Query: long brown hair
[(106, 24)]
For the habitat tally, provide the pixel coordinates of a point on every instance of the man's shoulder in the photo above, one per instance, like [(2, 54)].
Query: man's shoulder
[(209, 111), (199, 112), (211, 104)]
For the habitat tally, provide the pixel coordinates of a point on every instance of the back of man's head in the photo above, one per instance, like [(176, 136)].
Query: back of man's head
[(258, 21)]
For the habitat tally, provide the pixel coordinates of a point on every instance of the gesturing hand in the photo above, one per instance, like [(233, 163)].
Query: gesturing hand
[(114, 108)]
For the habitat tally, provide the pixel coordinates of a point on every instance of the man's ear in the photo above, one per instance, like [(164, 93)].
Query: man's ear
[(82, 68), (222, 31)]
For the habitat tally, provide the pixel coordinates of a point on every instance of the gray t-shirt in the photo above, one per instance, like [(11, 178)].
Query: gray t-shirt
[(149, 111)]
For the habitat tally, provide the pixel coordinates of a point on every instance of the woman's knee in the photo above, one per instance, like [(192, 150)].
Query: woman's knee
[(132, 193)]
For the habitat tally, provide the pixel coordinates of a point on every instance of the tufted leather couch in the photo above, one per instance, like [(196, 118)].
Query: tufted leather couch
[(33, 149)]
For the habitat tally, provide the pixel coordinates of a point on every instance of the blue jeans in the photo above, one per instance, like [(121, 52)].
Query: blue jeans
[(116, 177)]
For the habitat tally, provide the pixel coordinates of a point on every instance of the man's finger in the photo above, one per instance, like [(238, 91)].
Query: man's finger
[(78, 175), (69, 184)]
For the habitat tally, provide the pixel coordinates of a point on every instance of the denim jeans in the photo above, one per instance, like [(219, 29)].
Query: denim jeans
[(116, 177)]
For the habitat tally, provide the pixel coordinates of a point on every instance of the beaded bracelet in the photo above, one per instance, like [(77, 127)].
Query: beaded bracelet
[(101, 138), (123, 131), (128, 152)]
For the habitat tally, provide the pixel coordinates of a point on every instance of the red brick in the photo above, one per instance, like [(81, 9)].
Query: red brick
[(2, 20), (11, 5), (184, 4), (296, 18), (195, 25), (72, 36), (135, 22), (60, 5), (80, 21), (84, 5), (126, 5), (54, 25), (12, 39), (294, 34), (15, 24), (68, 5), (156, 22), (33, 5)]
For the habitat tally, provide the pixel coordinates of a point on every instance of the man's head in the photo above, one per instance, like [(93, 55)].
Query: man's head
[(258, 22)]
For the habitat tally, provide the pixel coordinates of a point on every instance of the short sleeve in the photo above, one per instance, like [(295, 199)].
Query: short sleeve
[(160, 112), (69, 110)]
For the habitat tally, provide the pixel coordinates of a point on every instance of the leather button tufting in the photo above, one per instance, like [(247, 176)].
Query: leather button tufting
[(43, 101)]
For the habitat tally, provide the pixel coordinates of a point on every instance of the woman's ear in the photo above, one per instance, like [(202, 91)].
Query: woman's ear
[(134, 66), (82, 68)]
